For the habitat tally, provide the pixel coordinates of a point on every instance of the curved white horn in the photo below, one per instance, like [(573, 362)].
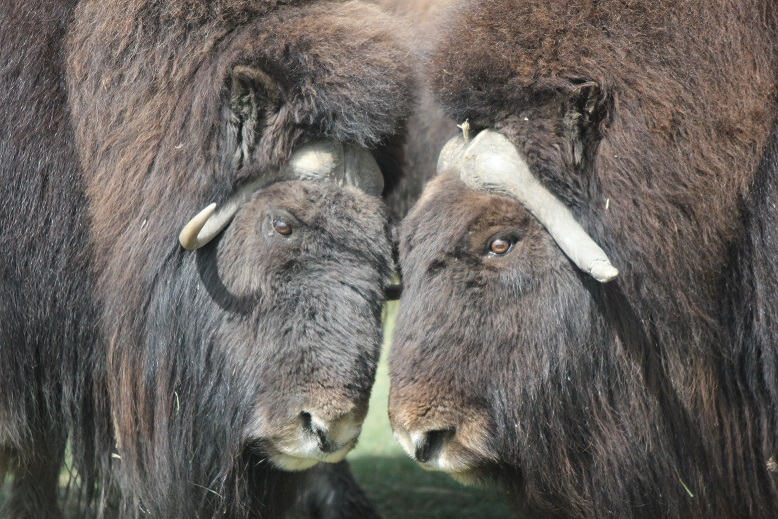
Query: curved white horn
[(490, 162), (330, 160), (188, 237), (209, 223)]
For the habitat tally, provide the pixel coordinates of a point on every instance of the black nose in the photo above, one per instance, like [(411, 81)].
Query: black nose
[(317, 430), (333, 434), (430, 444)]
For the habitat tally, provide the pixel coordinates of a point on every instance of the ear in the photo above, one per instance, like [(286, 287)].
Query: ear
[(587, 115), (254, 99)]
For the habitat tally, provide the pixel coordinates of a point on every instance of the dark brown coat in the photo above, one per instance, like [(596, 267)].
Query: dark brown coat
[(652, 396), (173, 372)]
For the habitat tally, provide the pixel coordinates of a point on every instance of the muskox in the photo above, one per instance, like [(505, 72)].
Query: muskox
[(193, 367), (590, 308)]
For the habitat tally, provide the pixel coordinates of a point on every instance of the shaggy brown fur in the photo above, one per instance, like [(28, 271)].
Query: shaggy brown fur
[(656, 395), (169, 374), (428, 128)]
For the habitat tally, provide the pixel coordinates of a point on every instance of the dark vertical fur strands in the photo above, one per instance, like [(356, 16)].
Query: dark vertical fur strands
[(163, 366), (429, 128), (48, 315), (652, 396)]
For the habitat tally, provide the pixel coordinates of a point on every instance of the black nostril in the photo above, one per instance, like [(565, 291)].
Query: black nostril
[(307, 421), (310, 426), (324, 442), (431, 443)]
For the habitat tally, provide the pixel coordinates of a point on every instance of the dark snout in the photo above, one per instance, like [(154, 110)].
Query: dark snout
[(332, 434), (429, 445), (438, 431), (320, 431)]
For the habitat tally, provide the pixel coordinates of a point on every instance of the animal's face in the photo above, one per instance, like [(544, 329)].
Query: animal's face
[(301, 272), (488, 316)]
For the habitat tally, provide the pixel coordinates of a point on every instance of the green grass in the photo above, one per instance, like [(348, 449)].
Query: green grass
[(399, 488)]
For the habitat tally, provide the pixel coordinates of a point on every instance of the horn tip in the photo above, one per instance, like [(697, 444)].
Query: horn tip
[(188, 235), (603, 272)]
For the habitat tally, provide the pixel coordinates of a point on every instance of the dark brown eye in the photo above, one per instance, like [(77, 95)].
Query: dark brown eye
[(500, 246), (282, 228)]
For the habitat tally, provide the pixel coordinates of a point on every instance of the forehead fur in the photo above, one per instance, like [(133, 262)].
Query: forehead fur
[(497, 52), (346, 213), (342, 65)]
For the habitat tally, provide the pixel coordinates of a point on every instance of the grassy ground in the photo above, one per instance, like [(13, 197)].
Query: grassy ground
[(398, 486), (400, 489)]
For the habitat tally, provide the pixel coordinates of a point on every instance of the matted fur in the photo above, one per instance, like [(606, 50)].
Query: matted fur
[(159, 363), (652, 396)]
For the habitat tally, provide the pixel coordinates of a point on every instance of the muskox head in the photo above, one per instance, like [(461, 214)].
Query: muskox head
[(303, 262), (516, 360), (483, 255), (481, 333), (298, 281)]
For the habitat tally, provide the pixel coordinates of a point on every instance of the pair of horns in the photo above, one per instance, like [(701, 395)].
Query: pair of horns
[(490, 162), (328, 160)]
